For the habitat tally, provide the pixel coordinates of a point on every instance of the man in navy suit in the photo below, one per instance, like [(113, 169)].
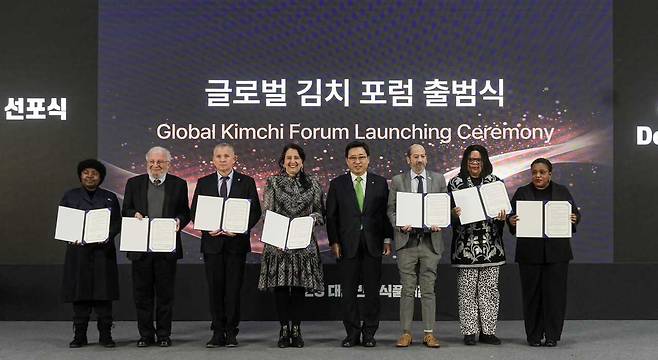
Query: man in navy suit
[(156, 194), (224, 253), (357, 226)]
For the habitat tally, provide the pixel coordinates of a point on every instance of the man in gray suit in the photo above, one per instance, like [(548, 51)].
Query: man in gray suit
[(419, 250)]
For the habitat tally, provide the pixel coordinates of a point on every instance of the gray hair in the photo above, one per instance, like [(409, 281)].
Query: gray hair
[(221, 145), (158, 149)]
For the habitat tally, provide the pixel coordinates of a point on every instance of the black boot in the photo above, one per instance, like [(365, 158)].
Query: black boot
[(284, 336), (105, 332), (79, 335), (296, 336)]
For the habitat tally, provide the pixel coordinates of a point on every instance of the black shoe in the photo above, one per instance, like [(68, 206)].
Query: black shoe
[(350, 341), (550, 343), (218, 340), (296, 339), (231, 338), (534, 343), (469, 340), (489, 339), (107, 341), (78, 341), (284, 337), (164, 341), (369, 341), (145, 342), (368, 337)]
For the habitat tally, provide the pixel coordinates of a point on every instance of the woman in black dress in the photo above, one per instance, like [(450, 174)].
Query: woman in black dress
[(90, 278)]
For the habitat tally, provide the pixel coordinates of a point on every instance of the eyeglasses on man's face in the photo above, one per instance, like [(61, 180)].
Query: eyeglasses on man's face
[(158, 162)]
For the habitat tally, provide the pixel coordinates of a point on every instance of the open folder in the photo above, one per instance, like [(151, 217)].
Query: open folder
[(286, 233), (75, 225), (422, 210), (148, 235), (214, 213), (477, 203), (537, 219)]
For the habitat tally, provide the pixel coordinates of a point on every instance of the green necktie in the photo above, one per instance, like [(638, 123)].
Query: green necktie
[(358, 188)]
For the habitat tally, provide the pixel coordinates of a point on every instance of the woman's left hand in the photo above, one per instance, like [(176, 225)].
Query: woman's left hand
[(574, 218), (388, 249), (501, 215)]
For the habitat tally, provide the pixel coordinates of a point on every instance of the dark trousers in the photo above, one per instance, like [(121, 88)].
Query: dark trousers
[(82, 311), (367, 270), (289, 301), (544, 288), (153, 284), (224, 273)]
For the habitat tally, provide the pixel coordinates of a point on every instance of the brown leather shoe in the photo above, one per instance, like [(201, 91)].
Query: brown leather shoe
[(430, 341), (404, 341)]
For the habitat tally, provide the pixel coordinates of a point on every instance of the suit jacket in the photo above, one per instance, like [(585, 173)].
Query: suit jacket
[(90, 271), (345, 220), (176, 204), (242, 187), (540, 251), (436, 183)]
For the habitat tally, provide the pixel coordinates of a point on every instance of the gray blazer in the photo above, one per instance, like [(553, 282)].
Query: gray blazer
[(436, 183)]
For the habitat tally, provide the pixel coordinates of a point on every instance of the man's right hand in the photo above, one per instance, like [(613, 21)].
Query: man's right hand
[(139, 216), (406, 228), (335, 249), (215, 233)]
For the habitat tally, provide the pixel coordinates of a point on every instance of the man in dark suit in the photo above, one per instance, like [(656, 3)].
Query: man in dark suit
[(357, 227), (156, 194), (224, 253)]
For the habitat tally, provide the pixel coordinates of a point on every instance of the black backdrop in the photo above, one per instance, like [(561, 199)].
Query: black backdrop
[(635, 103), (50, 50)]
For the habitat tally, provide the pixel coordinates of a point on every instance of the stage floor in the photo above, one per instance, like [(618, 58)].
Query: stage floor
[(581, 340)]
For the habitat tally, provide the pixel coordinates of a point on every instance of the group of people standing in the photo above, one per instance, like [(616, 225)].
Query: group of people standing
[(358, 213)]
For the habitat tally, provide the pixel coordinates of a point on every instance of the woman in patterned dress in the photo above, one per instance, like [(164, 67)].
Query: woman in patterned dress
[(290, 273), (478, 253)]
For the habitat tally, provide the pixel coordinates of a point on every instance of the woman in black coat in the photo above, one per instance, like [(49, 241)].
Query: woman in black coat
[(90, 277), (543, 262)]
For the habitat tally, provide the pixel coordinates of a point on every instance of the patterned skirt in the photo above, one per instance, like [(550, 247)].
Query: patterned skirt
[(291, 268)]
